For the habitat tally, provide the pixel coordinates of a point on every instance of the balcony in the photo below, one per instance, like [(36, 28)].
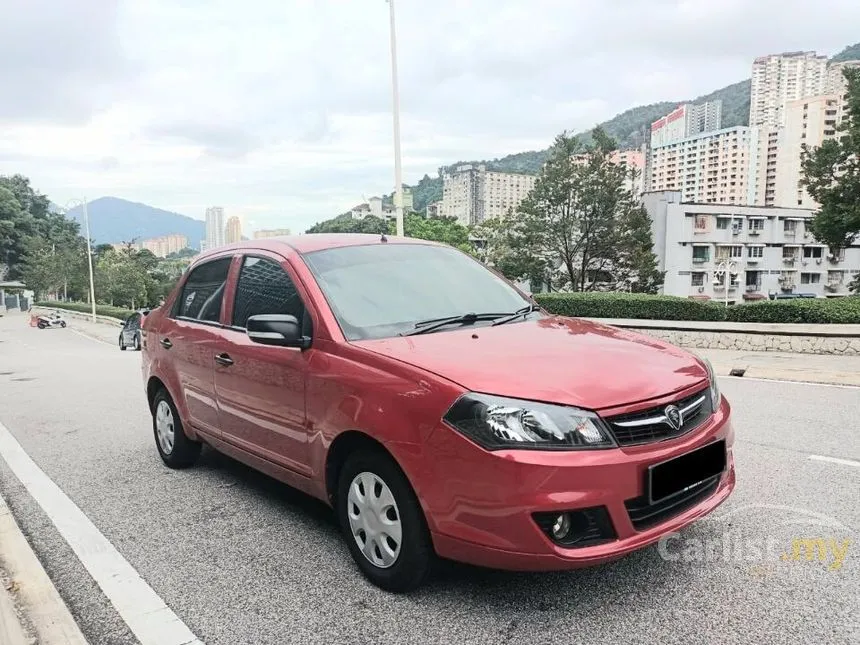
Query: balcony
[(755, 232), (700, 260), (790, 261), (834, 287), (790, 232)]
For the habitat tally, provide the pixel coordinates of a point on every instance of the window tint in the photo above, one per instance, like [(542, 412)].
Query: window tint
[(204, 290), (265, 288)]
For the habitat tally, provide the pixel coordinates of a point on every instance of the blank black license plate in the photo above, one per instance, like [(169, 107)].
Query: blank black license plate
[(680, 473)]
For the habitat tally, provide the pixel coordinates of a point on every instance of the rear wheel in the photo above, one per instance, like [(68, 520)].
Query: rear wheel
[(382, 522), (136, 344), (63, 324), (174, 447)]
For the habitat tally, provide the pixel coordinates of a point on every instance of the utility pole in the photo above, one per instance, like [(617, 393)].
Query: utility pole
[(395, 90), (90, 260)]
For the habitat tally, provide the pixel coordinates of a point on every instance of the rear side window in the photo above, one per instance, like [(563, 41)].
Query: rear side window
[(265, 288), (204, 290)]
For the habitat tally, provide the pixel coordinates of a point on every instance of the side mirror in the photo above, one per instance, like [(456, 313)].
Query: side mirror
[(281, 330)]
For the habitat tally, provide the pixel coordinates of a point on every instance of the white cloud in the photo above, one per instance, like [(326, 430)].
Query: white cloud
[(279, 110)]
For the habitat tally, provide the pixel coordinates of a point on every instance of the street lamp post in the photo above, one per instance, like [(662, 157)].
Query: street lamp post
[(83, 205), (395, 91), (725, 269)]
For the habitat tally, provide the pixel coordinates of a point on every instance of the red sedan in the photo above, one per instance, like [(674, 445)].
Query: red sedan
[(434, 406)]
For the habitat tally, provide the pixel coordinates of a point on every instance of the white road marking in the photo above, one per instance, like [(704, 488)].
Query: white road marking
[(88, 337), (835, 460), (146, 614), (787, 381)]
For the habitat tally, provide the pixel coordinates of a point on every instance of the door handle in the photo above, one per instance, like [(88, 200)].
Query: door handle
[(166, 344), (223, 359)]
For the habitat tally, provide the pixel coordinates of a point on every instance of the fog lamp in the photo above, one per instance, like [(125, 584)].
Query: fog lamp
[(561, 526)]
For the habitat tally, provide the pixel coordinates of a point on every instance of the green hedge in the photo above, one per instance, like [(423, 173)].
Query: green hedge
[(628, 305), (800, 310), (101, 310), (640, 306)]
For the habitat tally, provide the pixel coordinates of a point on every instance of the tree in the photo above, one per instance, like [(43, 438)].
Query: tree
[(346, 223), (831, 174), (438, 229), (572, 225)]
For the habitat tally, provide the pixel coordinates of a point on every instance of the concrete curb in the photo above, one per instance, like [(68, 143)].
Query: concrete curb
[(44, 611)]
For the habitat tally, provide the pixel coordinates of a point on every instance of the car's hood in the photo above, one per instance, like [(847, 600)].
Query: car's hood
[(560, 360)]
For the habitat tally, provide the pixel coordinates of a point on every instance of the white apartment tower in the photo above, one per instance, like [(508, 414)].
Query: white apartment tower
[(214, 227), (780, 78), (472, 194), (686, 121)]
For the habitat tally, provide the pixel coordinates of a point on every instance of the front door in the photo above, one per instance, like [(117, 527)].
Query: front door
[(260, 388)]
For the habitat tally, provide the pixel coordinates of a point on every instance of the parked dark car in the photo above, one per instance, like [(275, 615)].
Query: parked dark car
[(130, 334)]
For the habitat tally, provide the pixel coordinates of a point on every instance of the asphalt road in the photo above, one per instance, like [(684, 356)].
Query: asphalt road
[(242, 559)]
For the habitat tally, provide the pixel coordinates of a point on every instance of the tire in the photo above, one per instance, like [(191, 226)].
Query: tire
[(180, 452), (63, 324), (136, 344), (414, 557), (121, 344), (41, 325)]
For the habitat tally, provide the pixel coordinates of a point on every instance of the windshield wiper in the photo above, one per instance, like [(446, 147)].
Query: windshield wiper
[(426, 326), (524, 312)]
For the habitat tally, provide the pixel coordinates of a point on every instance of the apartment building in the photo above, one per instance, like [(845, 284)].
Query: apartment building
[(737, 253), (687, 121), (214, 227), (808, 121), (779, 78), (163, 246), (233, 230), (272, 232), (836, 83), (472, 194), (712, 167), (634, 164)]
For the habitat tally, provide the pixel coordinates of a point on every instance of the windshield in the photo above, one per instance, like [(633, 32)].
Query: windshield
[(382, 290)]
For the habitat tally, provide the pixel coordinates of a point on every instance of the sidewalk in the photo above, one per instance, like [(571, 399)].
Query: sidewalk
[(31, 609), (811, 368)]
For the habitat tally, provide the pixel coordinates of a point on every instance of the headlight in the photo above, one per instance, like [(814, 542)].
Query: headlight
[(714, 386), (496, 423)]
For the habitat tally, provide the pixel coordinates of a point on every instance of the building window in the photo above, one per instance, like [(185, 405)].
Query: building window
[(755, 252), (700, 254), (697, 279), (737, 225), (722, 223), (810, 278), (789, 226), (756, 224), (812, 252)]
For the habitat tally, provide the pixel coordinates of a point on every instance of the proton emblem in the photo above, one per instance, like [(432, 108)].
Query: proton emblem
[(674, 417)]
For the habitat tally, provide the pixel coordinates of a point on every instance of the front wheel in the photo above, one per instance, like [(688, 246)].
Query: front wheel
[(121, 344), (41, 325), (136, 343), (63, 324), (174, 447), (383, 523)]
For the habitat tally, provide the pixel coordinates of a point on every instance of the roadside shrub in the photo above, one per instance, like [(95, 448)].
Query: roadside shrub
[(641, 306), (801, 310), (83, 307), (629, 305)]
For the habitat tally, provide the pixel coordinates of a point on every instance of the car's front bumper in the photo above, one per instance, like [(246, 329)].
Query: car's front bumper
[(481, 504)]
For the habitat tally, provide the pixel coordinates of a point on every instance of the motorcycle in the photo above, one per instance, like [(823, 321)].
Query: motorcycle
[(50, 320)]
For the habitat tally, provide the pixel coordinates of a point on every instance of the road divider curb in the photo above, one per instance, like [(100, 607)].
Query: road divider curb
[(36, 595)]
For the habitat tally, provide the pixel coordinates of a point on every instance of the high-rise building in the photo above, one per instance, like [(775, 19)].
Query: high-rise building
[(836, 82), (472, 194), (165, 245), (233, 230), (272, 232), (686, 121), (808, 122), (214, 227), (780, 78), (714, 167)]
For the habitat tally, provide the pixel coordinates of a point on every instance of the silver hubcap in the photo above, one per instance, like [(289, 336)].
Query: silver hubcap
[(374, 519), (164, 427)]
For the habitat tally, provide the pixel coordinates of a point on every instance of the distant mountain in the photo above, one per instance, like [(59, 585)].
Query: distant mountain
[(114, 220), (627, 128)]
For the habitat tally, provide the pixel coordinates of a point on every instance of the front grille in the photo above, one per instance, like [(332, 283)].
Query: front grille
[(650, 425), (643, 515)]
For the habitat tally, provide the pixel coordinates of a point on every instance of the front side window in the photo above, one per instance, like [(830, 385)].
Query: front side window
[(265, 288), (203, 292), (382, 290)]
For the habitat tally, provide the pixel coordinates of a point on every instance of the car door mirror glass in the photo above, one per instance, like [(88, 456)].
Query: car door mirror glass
[(282, 330)]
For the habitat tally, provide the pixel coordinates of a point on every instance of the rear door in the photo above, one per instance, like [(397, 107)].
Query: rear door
[(260, 388), (192, 336)]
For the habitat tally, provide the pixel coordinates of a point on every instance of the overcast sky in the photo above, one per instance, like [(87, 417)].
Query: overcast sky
[(280, 110)]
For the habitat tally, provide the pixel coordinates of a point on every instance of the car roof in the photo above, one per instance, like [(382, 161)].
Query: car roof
[(310, 242)]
